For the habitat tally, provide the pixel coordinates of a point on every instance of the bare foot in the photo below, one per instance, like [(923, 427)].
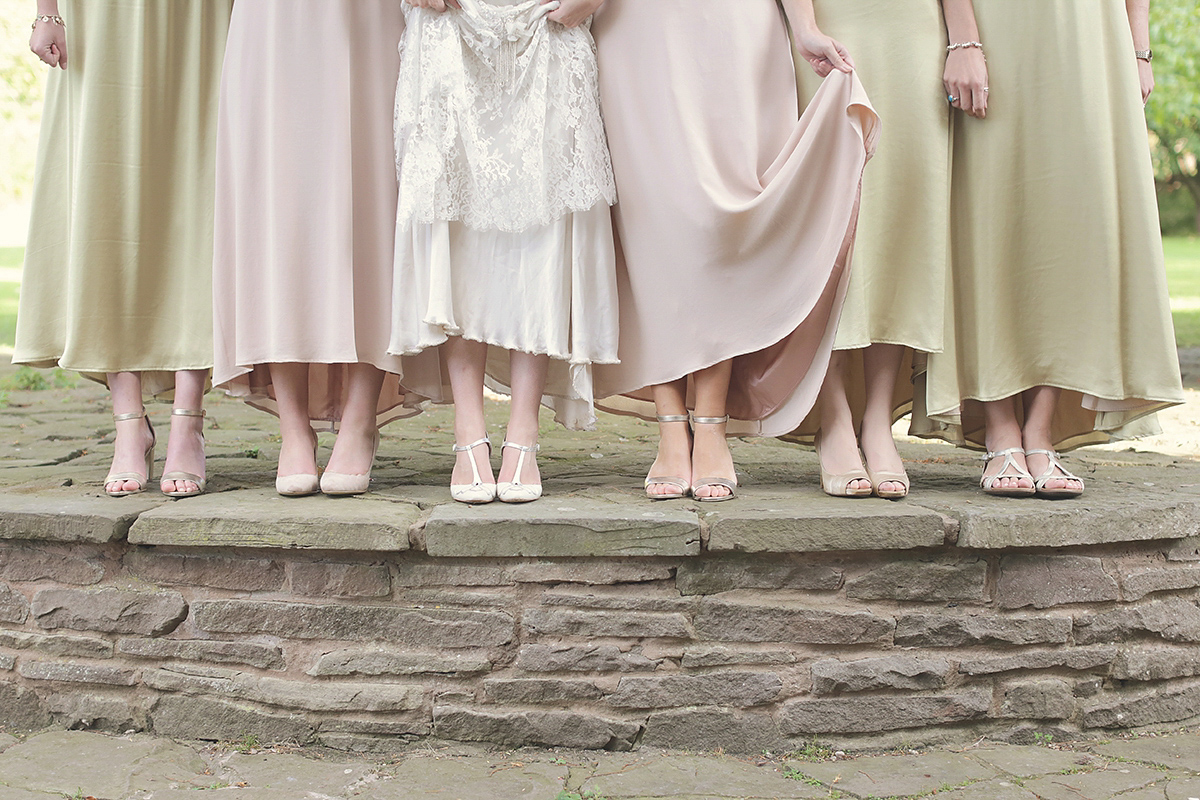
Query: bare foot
[(711, 459), (185, 452), (134, 438), (674, 458)]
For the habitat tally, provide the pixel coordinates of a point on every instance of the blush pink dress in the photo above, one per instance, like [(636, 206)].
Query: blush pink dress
[(735, 213), (306, 203)]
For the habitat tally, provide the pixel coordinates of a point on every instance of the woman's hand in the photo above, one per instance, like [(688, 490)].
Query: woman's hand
[(1146, 76), (434, 5), (49, 43), (966, 80), (573, 12), (823, 53)]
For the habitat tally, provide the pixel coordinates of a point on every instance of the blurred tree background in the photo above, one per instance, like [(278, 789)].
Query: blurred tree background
[(1173, 112), (22, 78)]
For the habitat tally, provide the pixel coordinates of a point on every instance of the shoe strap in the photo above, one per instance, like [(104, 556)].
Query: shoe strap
[(672, 418), (988, 481), (989, 455), (476, 478), (1055, 463), (709, 420), (134, 415), (525, 449), (188, 412), (462, 448)]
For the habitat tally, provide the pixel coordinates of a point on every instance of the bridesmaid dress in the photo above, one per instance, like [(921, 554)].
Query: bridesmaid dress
[(1058, 276), (118, 264), (735, 213), (306, 202), (504, 233), (901, 264)]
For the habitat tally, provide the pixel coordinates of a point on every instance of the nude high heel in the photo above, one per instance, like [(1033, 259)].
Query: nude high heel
[(668, 480), (839, 485), (514, 491), (476, 492), (337, 484), (177, 475), (302, 485), (142, 479)]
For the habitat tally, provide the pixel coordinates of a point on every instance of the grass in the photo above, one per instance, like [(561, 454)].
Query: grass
[(1183, 278)]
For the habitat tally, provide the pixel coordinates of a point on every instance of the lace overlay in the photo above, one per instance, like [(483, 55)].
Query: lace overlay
[(498, 120)]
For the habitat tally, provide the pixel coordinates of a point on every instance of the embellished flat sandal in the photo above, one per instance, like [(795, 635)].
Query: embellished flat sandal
[(988, 482), (1039, 483)]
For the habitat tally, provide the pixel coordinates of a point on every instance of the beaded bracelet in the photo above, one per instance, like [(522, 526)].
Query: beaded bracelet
[(54, 18), (961, 45)]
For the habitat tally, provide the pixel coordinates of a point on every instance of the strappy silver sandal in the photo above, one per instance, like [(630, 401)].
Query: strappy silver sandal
[(177, 475), (730, 484), (476, 492), (668, 480), (988, 482), (515, 491), (1039, 483)]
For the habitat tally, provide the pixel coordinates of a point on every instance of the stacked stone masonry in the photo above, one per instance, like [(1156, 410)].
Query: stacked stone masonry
[(738, 630)]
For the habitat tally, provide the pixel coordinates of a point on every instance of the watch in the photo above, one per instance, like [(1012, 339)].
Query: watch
[(1144, 55)]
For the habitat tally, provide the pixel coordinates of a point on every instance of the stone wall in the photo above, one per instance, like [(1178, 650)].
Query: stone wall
[(670, 641)]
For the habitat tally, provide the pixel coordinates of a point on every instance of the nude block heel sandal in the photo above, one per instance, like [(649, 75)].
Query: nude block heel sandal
[(142, 479), (177, 475)]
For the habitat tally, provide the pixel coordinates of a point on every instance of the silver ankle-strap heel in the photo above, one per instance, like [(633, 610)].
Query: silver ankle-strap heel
[(730, 484), (476, 492), (515, 491), (668, 480)]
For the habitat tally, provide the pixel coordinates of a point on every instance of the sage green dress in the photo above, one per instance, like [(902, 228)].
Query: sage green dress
[(1058, 275), (118, 265), (898, 273)]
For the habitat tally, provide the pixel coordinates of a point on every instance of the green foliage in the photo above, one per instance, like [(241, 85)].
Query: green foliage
[(27, 379), (813, 751), (1173, 112), (796, 775), (22, 78), (1043, 738), (565, 795)]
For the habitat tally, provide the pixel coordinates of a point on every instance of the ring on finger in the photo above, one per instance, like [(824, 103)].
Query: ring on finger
[(952, 98)]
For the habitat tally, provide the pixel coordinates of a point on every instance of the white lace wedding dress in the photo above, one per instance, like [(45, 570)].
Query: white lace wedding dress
[(503, 231)]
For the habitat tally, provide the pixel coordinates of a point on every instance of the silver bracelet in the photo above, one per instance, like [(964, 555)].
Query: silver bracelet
[(54, 18), (961, 45), (1144, 55)]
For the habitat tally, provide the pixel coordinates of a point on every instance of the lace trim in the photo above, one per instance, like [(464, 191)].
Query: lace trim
[(498, 118)]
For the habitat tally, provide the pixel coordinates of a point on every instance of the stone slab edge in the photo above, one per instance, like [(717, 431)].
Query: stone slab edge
[(901, 527), (388, 533), (70, 519)]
